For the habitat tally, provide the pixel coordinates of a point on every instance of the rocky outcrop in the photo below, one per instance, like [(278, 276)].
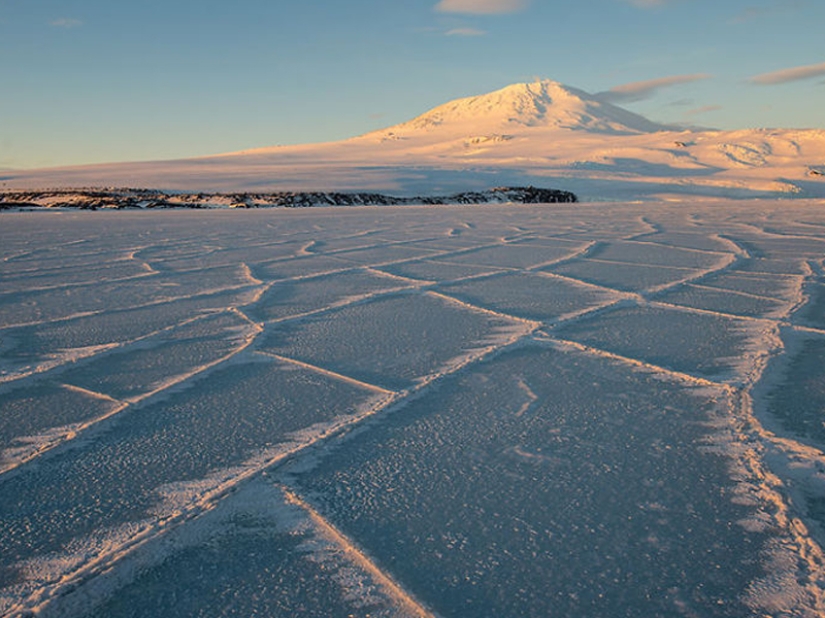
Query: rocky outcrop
[(94, 199)]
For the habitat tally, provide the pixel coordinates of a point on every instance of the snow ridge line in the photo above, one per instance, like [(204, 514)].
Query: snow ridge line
[(404, 598), (807, 574), (627, 360), (622, 294), (709, 312), (328, 373), (651, 243), (711, 288)]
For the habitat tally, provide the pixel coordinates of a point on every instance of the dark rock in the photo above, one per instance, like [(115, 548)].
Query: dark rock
[(93, 199)]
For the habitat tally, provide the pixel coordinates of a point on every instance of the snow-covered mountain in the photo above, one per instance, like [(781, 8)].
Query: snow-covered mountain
[(541, 133), (543, 104)]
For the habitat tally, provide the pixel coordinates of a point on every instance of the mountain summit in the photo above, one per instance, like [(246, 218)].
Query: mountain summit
[(541, 104)]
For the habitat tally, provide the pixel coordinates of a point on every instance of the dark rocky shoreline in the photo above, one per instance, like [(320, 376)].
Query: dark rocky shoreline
[(94, 199)]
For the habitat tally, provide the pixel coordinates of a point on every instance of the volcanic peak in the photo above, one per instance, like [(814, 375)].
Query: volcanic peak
[(540, 104)]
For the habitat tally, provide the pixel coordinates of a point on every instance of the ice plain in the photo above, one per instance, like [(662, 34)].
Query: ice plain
[(558, 410)]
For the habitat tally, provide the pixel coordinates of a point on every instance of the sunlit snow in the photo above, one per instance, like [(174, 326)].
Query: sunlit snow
[(542, 133), (497, 410)]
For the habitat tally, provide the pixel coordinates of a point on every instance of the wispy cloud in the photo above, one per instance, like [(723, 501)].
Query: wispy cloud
[(65, 22), (789, 75), (638, 91), (647, 4), (755, 12), (706, 109), (465, 32), (481, 7)]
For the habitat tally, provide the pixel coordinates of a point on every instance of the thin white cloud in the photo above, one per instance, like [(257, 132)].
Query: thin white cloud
[(481, 7), (647, 4), (66, 22), (756, 12), (789, 75), (702, 110), (465, 32), (638, 91)]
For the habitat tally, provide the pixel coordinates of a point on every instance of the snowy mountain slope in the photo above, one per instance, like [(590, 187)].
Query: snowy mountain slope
[(543, 133)]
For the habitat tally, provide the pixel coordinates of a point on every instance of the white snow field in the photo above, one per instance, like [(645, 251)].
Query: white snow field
[(566, 410)]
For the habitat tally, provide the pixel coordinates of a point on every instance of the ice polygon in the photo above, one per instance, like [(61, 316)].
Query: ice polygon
[(53, 304), (724, 301), (41, 346), (530, 295), (650, 254), (392, 342), (517, 254), (437, 270), (700, 241), (295, 297), (163, 359), (37, 275), (300, 266), (780, 287), (624, 276), (773, 266), (798, 399), (38, 414), (700, 344), (386, 254), (813, 313)]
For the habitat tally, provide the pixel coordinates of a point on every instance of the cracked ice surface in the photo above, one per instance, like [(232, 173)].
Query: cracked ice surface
[(573, 410)]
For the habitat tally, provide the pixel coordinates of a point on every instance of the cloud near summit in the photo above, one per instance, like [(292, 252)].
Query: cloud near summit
[(638, 91), (481, 7)]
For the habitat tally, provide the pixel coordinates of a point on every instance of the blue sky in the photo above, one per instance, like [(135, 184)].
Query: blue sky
[(87, 81)]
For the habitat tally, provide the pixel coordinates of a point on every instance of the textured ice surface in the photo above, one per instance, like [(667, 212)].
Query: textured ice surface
[(292, 298), (573, 410), (436, 270), (725, 301), (532, 296), (798, 401), (518, 254), (223, 420), (391, 342), (761, 284), (814, 312), (696, 343), (624, 276), (538, 483), (137, 370), (655, 254)]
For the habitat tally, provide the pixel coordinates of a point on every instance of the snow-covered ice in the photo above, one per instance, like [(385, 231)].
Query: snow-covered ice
[(498, 410)]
